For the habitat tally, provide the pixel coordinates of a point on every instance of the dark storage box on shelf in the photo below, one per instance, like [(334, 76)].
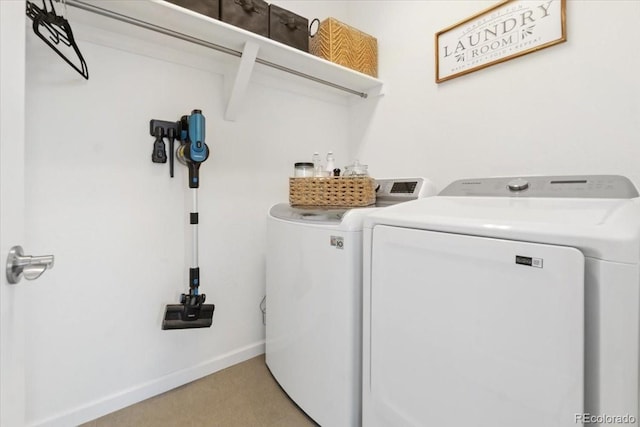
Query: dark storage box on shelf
[(288, 28), (210, 8), (251, 15)]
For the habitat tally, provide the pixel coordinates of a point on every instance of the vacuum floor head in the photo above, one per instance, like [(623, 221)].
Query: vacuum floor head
[(180, 316)]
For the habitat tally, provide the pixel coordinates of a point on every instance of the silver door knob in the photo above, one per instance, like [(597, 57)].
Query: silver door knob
[(31, 267)]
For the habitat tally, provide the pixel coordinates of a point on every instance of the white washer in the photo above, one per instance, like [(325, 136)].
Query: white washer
[(504, 302), (314, 302)]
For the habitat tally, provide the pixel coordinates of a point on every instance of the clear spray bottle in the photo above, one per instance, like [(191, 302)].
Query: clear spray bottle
[(317, 164), (331, 163)]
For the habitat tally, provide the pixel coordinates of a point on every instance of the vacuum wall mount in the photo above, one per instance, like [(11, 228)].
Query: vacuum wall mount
[(191, 312)]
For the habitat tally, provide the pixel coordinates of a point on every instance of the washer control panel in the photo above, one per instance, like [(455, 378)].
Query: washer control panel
[(583, 186), (409, 187), (397, 190)]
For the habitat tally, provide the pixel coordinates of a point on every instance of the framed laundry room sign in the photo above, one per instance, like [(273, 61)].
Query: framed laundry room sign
[(502, 32)]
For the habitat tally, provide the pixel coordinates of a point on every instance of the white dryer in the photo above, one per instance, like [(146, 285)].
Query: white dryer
[(314, 302), (504, 302)]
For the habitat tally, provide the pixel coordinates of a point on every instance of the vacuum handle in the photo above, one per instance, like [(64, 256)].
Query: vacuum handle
[(198, 151), (194, 174)]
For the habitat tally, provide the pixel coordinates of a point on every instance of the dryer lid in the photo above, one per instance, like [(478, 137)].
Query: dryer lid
[(601, 227), (575, 186)]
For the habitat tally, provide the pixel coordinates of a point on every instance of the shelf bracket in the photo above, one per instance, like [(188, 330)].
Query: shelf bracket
[(241, 82)]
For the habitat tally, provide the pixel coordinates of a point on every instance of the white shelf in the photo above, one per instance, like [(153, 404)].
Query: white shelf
[(172, 20)]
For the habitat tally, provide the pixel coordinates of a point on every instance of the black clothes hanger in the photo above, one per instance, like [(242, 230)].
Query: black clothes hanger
[(59, 31)]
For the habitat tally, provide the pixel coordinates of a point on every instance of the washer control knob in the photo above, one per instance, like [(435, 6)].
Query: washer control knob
[(518, 184)]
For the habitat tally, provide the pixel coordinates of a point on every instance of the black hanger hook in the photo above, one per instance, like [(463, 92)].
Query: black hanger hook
[(59, 32)]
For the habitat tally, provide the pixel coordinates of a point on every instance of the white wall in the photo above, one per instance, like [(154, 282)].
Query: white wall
[(573, 108), (118, 225)]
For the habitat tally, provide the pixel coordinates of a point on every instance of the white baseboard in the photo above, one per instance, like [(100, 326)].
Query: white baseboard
[(125, 398)]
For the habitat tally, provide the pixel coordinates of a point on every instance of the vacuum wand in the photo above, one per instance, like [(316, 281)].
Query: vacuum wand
[(194, 228)]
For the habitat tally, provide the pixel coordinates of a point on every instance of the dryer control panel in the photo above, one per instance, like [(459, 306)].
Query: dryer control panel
[(579, 186)]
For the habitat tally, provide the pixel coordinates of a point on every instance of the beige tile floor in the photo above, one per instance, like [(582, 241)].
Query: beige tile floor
[(244, 395)]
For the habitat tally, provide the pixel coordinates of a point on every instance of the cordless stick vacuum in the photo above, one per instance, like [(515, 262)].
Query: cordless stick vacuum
[(192, 312)]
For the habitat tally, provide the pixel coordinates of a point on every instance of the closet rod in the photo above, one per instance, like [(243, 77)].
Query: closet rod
[(158, 29)]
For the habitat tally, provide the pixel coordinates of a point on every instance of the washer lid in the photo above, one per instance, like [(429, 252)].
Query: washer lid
[(339, 219), (320, 215), (388, 192), (603, 228)]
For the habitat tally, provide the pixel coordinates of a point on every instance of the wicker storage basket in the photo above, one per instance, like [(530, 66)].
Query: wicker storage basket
[(342, 44), (335, 192)]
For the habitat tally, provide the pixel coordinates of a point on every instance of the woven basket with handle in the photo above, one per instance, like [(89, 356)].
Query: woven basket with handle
[(342, 44)]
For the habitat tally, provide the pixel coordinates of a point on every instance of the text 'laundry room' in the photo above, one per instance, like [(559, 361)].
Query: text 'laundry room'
[(328, 212)]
